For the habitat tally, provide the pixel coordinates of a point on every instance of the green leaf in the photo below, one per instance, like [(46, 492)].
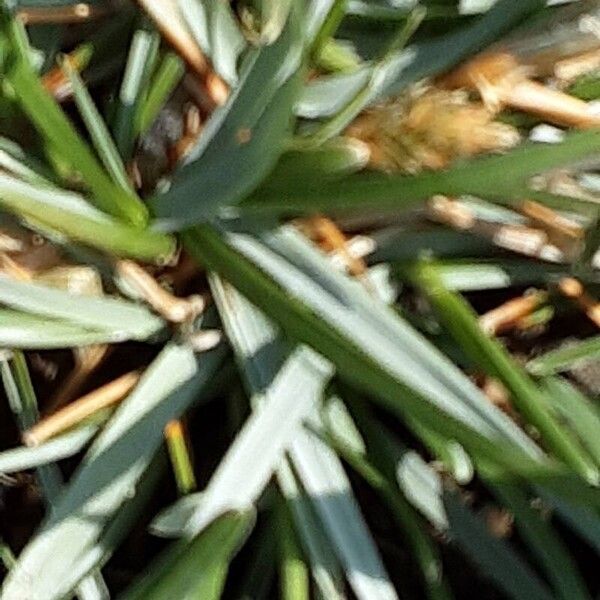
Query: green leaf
[(418, 61), (103, 142), (421, 485), (27, 331), (109, 472), (16, 161), (404, 244), (481, 177), (432, 57), (138, 69), (264, 356), (325, 96), (582, 520), (467, 276), (22, 458), (119, 318), (294, 581), (216, 30), (563, 358), (242, 140), (578, 411), (412, 527), (328, 487), (324, 565), (546, 546), (494, 556), (370, 346), (23, 402), (69, 214), (377, 12), (196, 568), (338, 156), (168, 74), (61, 135), (461, 321), (249, 462)]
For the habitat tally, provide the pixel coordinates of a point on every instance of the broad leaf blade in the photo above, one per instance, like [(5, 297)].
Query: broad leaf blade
[(110, 470), (242, 140), (119, 317), (195, 569)]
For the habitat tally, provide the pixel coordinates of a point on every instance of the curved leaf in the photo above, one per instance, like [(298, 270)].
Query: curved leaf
[(123, 319), (242, 140), (27, 331), (108, 474), (195, 569)]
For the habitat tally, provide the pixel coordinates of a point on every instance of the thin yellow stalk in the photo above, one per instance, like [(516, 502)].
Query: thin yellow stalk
[(81, 409)]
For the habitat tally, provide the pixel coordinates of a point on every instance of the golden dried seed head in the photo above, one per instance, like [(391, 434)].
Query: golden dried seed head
[(428, 129)]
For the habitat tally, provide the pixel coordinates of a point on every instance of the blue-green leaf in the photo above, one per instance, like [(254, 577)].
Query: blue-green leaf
[(242, 140)]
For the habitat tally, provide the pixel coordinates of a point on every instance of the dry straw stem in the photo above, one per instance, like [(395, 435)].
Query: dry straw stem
[(168, 20), (191, 132), (507, 315), (502, 81), (551, 220), (334, 240), (81, 409), (13, 269), (573, 289), (562, 232), (204, 340), (525, 240), (175, 310), (87, 360), (56, 82), (568, 70), (74, 13)]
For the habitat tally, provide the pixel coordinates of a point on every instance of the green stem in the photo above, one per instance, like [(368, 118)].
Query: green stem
[(54, 126), (461, 321)]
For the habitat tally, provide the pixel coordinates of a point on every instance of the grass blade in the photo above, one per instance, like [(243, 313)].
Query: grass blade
[(552, 555), (103, 142), (578, 411), (216, 30), (325, 568), (257, 450), (425, 552), (480, 177), (418, 61), (60, 134), (294, 582), (336, 338), (22, 458), (119, 317), (27, 331), (23, 402), (328, 487), (69, 214), (196, 568), (164, 82), (252, 336), (493, 555), (561, 359), (142, 54), (112, 466), (461, 322), (244, 137)]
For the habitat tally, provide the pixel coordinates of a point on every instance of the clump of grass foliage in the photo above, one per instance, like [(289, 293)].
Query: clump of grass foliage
[(334, 443)]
